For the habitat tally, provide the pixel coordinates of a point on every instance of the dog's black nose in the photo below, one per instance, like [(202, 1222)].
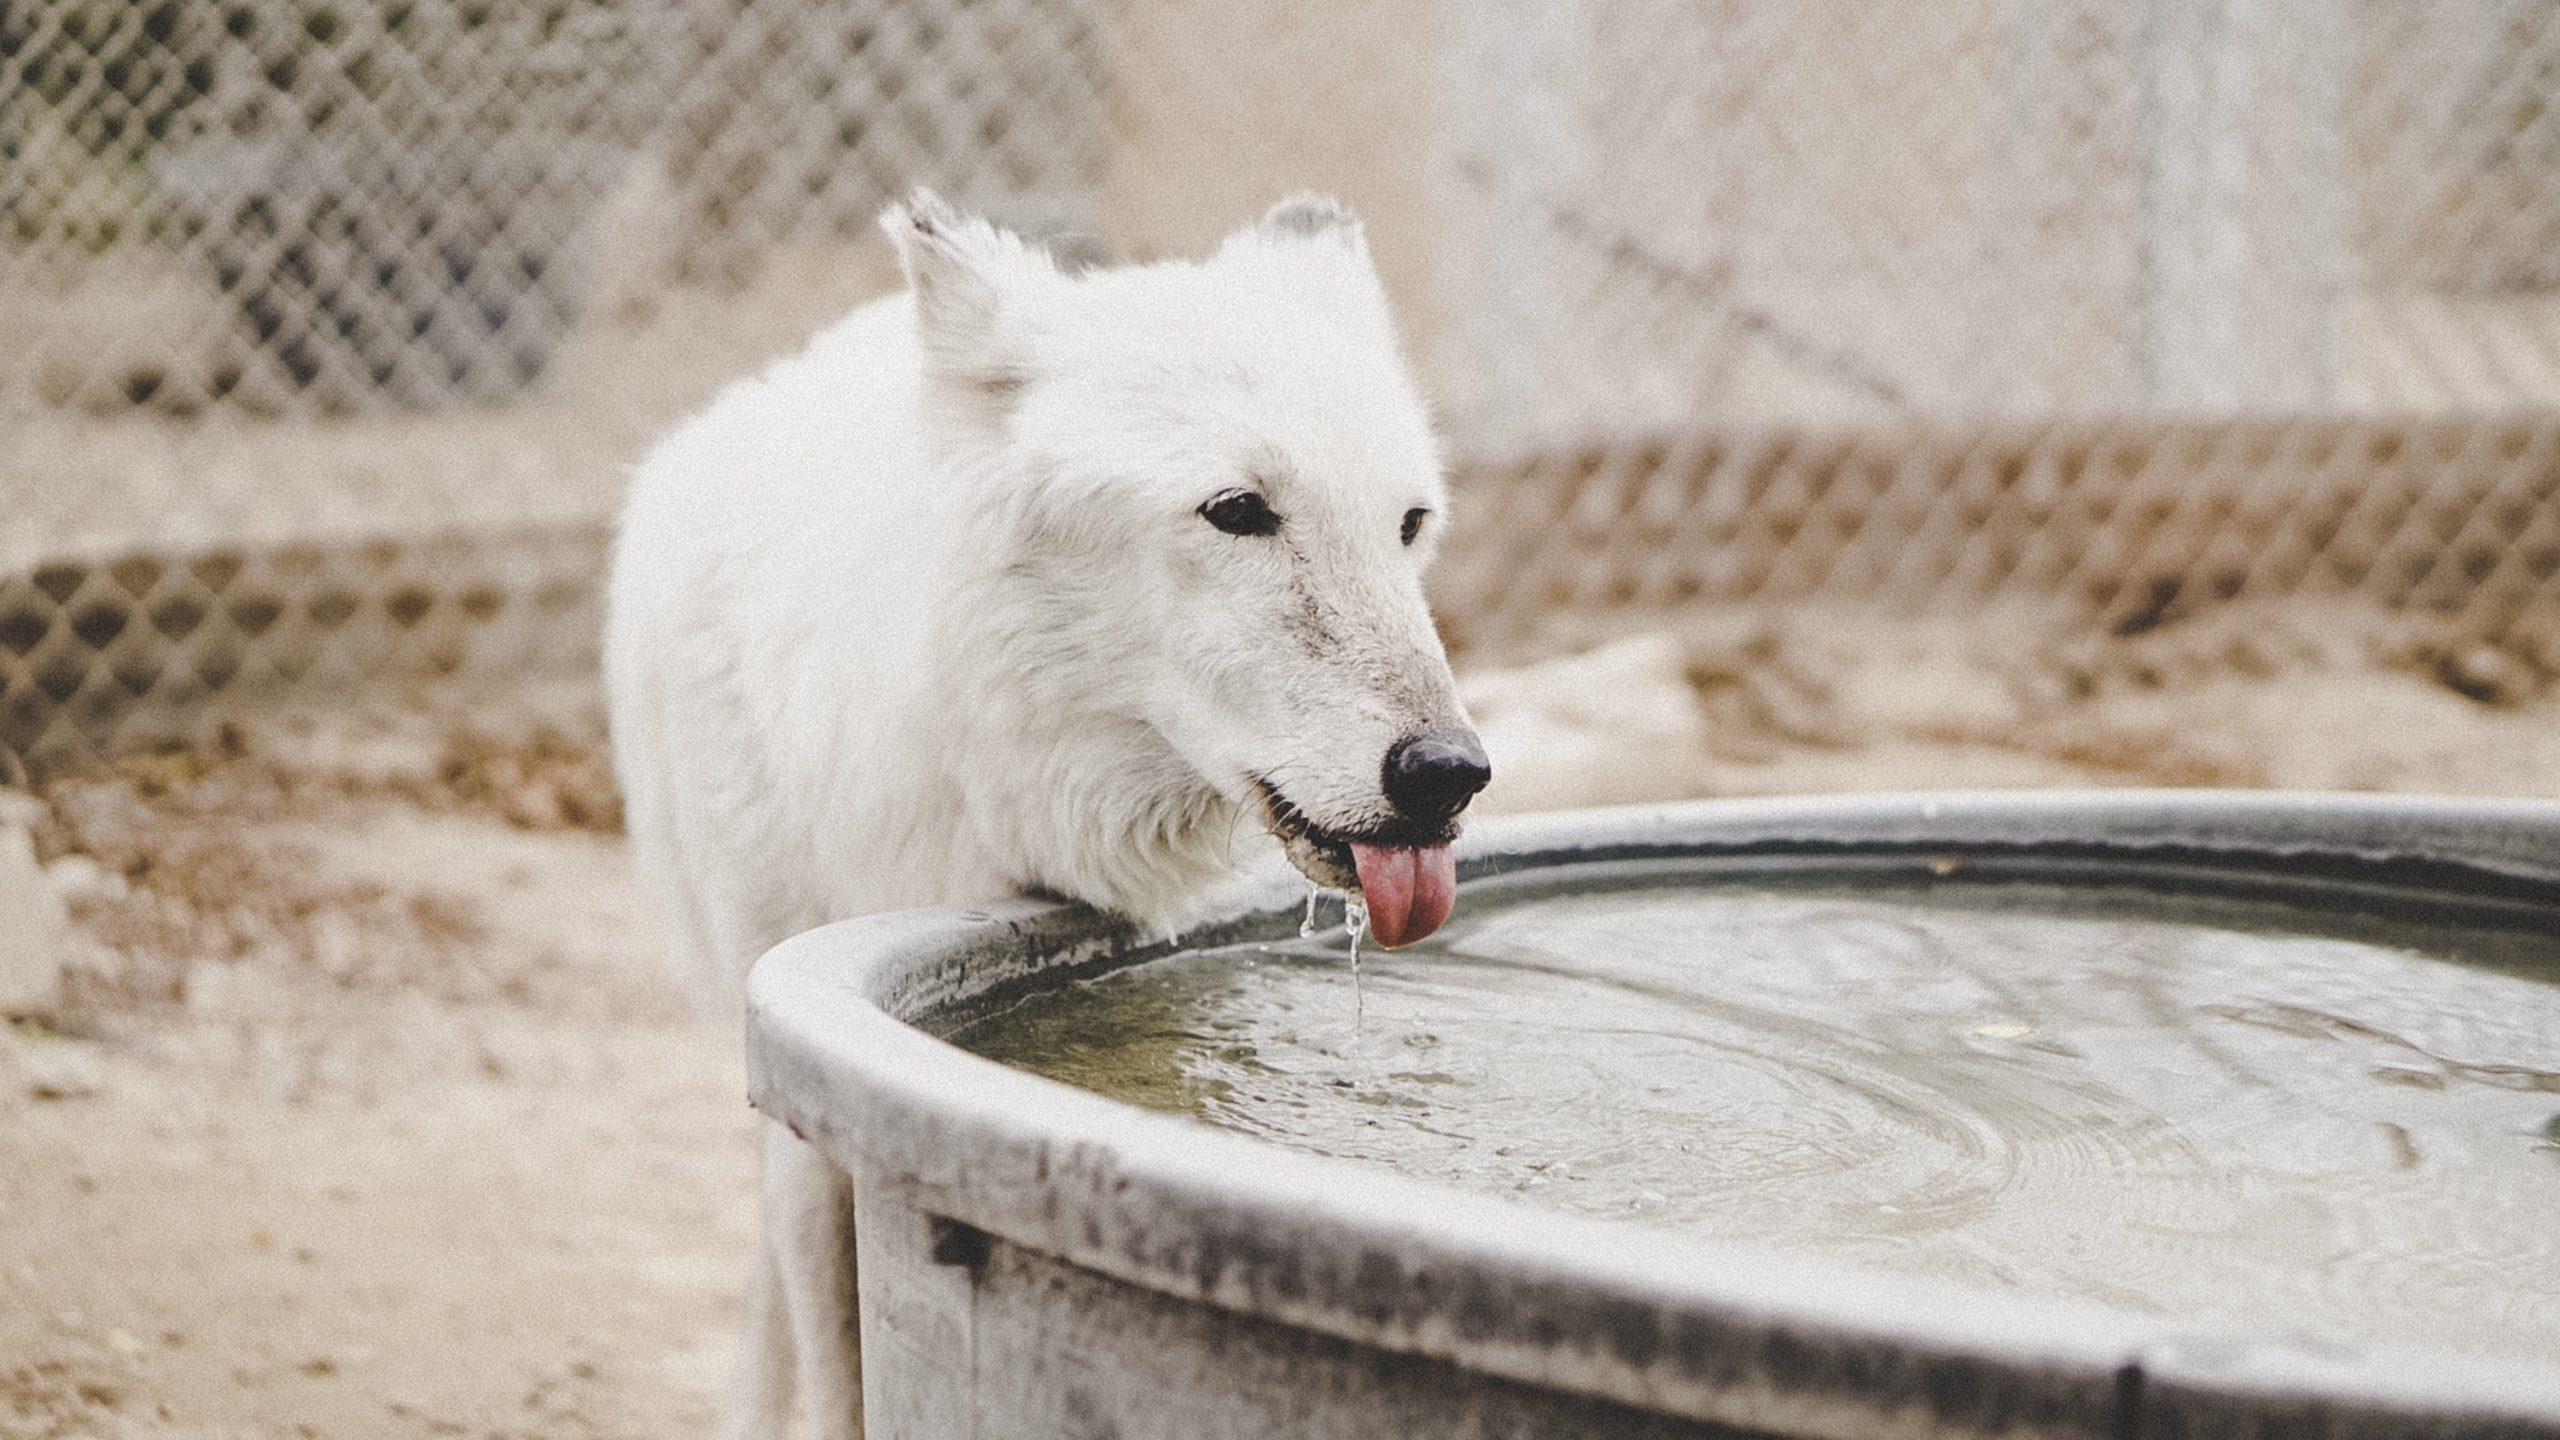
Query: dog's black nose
[(1432, 776)]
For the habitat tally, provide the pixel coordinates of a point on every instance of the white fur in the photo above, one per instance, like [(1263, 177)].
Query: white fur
[(928, 614)]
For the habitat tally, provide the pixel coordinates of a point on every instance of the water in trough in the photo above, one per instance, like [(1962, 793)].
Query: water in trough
[(2286, 1112)]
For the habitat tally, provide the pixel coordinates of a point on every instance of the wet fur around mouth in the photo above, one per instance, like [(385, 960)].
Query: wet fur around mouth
[(1324, 856)]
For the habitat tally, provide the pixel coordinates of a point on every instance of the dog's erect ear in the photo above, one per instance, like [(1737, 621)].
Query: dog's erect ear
[(972, 282), (1308, 219), (1317, 237), (1308, 216)]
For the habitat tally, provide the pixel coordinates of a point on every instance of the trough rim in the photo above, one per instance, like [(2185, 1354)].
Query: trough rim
[(1612, 1309)]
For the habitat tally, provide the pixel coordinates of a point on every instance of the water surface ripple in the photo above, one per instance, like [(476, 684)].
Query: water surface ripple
[(2234, 1112)]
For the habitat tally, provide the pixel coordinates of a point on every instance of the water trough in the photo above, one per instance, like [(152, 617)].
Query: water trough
[(1035, 1259)]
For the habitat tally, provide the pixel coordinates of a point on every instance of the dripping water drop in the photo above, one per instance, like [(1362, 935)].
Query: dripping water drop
[(1355, 916)]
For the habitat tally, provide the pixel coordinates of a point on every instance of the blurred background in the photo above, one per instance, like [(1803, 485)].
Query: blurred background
[(1840, 394), (331, 327)]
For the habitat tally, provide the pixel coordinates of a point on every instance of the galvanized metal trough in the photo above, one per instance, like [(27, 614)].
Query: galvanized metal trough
[(1037, 1261)]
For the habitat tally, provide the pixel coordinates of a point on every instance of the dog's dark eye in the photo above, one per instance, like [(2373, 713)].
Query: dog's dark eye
[(1241, 512), (1413, 519)]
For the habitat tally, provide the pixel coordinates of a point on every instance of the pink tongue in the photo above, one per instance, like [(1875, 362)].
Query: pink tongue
[(1409, 891)]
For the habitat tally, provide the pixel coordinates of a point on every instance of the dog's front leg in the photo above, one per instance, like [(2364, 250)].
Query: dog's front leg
[(758, 1405), (808, 1217)]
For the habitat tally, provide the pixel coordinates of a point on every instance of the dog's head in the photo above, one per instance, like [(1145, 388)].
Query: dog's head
[(1218, 491)]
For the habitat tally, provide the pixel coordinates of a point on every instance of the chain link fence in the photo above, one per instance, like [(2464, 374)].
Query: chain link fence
[(2094, 305), (327, 329)]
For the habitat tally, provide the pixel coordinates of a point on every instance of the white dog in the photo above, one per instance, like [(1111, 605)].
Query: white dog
[(1028, 581)]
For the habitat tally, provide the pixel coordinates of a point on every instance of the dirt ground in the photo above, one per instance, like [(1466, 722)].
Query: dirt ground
[(365, 1110)]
